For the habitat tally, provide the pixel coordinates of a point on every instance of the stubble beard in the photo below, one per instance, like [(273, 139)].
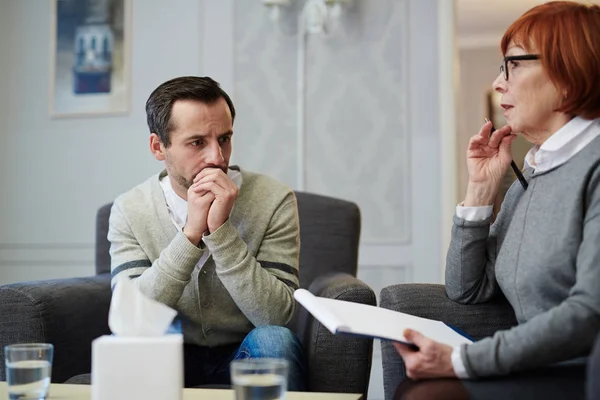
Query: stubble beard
[(182, 181), (176, 177)]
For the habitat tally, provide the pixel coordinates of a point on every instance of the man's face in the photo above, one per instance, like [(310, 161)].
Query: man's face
[(200, 138)]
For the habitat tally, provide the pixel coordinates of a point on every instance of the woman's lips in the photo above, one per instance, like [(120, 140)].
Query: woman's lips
[(507, 108)]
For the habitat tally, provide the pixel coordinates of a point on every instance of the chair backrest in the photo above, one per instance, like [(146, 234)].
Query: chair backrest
[(329, 237)]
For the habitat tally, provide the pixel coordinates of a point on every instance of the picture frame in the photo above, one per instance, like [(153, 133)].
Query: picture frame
[(90, 58), (494, 109)]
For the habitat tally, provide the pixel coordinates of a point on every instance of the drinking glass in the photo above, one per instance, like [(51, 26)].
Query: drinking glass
[(28, 370), (259, 378)]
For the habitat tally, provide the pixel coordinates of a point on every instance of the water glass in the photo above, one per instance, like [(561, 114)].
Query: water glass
[(28, 370), (259, 378)]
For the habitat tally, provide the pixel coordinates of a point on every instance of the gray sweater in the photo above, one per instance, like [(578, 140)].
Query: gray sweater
[(543, 254), (249, 278)]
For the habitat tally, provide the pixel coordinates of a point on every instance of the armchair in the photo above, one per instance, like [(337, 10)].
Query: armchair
[(70, 313), (478, 321)]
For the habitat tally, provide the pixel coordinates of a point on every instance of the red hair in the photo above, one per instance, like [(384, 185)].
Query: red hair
[(566, 35)]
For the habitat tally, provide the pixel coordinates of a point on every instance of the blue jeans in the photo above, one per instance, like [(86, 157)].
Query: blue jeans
[(210, 366)]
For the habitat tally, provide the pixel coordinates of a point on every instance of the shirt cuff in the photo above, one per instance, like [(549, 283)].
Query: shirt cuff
[(457, 363), (474, 214)]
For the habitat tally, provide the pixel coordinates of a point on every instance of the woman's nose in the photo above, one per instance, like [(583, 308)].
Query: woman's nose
[(499, 83)]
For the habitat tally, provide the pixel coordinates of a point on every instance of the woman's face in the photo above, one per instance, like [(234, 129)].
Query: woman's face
[(529, 98)]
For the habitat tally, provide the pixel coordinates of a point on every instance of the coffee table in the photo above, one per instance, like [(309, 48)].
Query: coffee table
[(83, 392)]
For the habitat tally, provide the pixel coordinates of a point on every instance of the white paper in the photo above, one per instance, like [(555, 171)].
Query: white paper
[(132, 314), (322, 314), (371, 321)]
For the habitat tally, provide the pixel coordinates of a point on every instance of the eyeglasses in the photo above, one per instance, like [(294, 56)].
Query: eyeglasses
[(504, 67)]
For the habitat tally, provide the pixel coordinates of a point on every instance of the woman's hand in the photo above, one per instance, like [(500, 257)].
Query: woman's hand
[(432, 360), (488, 159)]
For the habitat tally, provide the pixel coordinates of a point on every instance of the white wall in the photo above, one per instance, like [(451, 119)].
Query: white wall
[(373, 127), (372, 119), (56, 173), (372, 124), (4, 59)]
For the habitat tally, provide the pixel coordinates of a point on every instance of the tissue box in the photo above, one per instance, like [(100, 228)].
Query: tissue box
[(132, 368)]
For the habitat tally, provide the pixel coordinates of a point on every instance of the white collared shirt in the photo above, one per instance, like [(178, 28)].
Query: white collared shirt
[(555, 151), (178, 207), (564, 144)]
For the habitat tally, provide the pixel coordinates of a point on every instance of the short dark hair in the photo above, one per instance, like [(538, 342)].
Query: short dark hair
[(161, 100)]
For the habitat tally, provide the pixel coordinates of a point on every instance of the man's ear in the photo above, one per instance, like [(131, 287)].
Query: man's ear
[(156, 147)]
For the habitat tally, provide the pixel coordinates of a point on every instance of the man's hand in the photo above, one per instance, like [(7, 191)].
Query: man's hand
[(216, 182), (432, 360), (198, 202)]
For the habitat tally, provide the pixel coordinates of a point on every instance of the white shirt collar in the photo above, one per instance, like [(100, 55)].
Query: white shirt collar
[(562, 145), (178, 206)]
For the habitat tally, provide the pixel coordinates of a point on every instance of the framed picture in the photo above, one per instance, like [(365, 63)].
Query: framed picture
[(494, 110), (90, 57)]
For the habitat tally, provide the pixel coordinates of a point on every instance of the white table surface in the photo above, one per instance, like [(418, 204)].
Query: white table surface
[(82, 392)]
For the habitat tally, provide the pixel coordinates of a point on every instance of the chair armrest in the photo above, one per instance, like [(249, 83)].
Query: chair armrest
[(69, 313), (431, 301), (336, 363)]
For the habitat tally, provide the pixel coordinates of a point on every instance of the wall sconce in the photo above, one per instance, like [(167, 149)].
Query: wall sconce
[(317, 16), (335, 7), (275, 7)]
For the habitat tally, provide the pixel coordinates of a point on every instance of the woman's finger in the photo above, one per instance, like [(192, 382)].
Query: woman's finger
[(498, 135), (403, 349), (485, 131), (506, 144)]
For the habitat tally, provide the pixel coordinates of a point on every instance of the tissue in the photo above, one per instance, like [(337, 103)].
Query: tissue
[(131, 313), (139, 361)]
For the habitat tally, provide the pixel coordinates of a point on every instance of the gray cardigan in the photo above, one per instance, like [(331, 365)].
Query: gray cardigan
[(543, 254), (249, 278)]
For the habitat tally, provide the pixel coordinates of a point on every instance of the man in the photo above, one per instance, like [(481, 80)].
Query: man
[(217, 243)]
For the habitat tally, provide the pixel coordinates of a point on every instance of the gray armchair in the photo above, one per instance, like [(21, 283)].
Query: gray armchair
[(70, 313), (478, 321)]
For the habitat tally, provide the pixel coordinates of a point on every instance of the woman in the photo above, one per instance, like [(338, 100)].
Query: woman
[(543, 250)]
